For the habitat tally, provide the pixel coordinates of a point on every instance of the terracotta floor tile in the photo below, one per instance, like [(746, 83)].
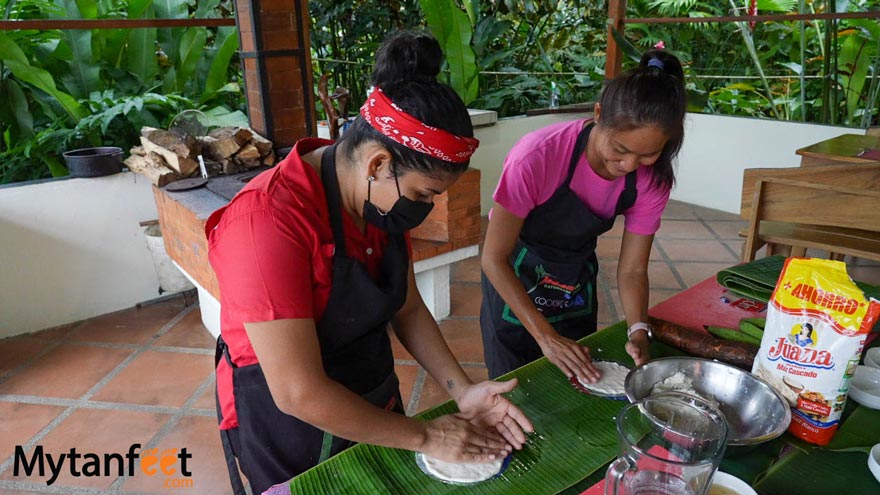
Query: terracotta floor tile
[(21, 422), (188, 332), (467, 270), (433, 394), (609, 311), (728, 230), (397, 348), (710, 214), (206, 400), (693, 250), (67, 371), (129, 326), (608, 271), (617, 229), (55, 333), (16, 351), (158, 379), (657, 296), (683, 229), (736, 246), (406, 373), (694, 273), (676, 210), (95, 431), (608, 247), (465, 299), (207, 465), (464, 339), (661, 277)]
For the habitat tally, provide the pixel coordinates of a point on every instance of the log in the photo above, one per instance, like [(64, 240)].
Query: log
[(249, 156), (262, 144), (218, 149), (239, 134), (702, 344), (158, 174), (178, 151)]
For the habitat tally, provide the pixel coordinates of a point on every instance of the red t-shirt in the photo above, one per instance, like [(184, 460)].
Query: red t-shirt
[(272, 250)]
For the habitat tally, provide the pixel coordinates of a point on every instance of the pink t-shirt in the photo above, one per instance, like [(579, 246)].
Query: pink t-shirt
[(538, 164)]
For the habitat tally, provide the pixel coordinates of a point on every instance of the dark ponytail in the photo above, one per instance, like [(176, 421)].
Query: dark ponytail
[(406, 69), (651, 94)]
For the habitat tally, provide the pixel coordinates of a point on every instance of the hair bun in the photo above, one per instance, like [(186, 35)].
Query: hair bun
[(407, 56), (663, 60)]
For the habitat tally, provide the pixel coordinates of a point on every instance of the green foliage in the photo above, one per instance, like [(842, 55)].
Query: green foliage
[(756, 71), (75, 88), (453, 29)]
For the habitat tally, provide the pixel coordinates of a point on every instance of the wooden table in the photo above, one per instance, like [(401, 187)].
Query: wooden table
[(846, 148)]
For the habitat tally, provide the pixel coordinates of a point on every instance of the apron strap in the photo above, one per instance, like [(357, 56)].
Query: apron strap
[(628, 196), (221, 352), (334, 198), (579, 146)]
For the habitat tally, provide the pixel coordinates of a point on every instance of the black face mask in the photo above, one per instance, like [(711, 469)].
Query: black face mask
[(405, 214)]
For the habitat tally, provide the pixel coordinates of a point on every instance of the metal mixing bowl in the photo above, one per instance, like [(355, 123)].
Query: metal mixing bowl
[(754, 410)]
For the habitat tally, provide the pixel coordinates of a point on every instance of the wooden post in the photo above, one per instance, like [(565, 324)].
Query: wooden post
[(276, 61), (613, 53)]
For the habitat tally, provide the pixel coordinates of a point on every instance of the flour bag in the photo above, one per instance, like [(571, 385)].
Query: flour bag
[(817, 322)]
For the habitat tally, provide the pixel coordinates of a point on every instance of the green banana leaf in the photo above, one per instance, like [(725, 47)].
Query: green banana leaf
[(225, 50), (18, 64), (453, 29), (575, 438), (757, 279)]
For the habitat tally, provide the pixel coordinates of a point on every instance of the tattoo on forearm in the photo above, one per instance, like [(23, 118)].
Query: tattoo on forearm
[(450, 384)]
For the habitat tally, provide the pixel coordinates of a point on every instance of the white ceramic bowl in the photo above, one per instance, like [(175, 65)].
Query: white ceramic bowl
[(874, 461), (731, 482), (872, 357), (865, 386)]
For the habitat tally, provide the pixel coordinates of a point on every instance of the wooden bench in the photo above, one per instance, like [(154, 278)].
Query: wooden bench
[(450, 233), (839, 213)]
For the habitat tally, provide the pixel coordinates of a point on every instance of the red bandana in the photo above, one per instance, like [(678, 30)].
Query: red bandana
[(389, 119)]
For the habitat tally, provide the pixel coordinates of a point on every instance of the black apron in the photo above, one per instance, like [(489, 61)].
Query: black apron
[(555, 260), (272, 446)]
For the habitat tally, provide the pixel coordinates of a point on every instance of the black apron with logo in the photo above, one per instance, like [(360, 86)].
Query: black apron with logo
[(272, 446), (555, 260)]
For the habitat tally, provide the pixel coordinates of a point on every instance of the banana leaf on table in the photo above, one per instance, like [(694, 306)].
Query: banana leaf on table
[(839, 467), (757, 279), (575, 437)]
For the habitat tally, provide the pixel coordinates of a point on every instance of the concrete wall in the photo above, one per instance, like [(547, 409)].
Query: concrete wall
[(71, 249), (716, 151)]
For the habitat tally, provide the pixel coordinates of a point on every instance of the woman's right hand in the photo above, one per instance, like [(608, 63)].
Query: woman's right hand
[(570, 357), (453, 438)]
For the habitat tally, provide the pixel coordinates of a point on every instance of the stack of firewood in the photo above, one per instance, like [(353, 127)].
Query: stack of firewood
[(164, 156)]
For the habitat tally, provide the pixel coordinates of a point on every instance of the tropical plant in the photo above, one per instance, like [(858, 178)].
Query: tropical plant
[(54, 80)]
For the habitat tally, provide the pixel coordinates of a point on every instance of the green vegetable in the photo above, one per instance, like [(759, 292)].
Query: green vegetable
[(731, 334), (753, 327)]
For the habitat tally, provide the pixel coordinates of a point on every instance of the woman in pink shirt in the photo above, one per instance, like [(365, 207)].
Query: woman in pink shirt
[(561, 188)]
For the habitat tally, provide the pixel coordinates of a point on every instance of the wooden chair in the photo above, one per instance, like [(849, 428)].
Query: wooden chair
[(842, 218), (335, 105)]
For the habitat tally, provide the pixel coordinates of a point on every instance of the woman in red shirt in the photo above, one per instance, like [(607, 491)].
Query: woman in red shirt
[(313, 262)]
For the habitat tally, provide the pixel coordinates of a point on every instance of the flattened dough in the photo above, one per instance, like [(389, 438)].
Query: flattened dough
[(612, 379), (462, 472)]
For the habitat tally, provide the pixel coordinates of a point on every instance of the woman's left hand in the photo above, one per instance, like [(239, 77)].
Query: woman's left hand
[(637, 347), (483, 404)]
